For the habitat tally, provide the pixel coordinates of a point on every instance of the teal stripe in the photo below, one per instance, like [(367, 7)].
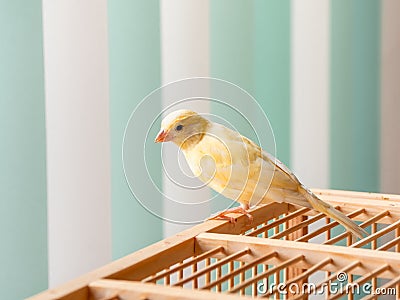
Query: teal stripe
[(250, 47), (272, 68), (355, 69), (134, 40), (231, 59), (23, 215), (231, 42)]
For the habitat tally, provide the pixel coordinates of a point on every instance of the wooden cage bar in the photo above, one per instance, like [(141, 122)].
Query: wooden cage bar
[(281, 248)]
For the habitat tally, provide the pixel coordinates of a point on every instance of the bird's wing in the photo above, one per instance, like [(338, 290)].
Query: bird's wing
[(283, 177), (239, 169), (228, 165), (285, 187)]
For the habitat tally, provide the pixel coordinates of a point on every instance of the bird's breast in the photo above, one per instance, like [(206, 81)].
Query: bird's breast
[(228, 168)]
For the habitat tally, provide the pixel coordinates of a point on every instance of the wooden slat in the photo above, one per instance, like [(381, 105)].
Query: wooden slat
[(254, 286), (240, 270), (363, 196), (166, 253), (397, 233), (196, 280), (231, 268), (277, 275), (291, 273), (363, 279), (108, 288), (208, 274), (277, 222), (142, 263), (390, 244), (218, 275), (260, 214), (391, 283), (376, 235), (184, 265), (300, 277), (314, 253), (242, 277), (330, 278), (373, 203), (274, 270), (158, 256), (365, 224), (180, 272), (322, 229), (298, 226), (223, 261)]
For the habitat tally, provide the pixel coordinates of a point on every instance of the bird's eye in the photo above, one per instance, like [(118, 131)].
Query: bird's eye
[(179, 127)]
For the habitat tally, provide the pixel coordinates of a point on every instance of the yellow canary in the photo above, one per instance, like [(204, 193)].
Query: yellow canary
[(239, 169)]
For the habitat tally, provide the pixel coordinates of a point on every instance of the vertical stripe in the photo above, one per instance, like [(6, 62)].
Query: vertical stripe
[(185, 39), (271, 48), (231, 59), (77, 127), (354, 103), (310, 94), (134, 41), (185, 53), (23, 251), (390, 96), (231, 42), (310, 91)]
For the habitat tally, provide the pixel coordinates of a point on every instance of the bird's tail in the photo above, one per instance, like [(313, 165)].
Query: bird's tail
[(330, 211)]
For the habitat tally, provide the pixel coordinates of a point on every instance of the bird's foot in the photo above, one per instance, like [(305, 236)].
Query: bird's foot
[(223, 214)]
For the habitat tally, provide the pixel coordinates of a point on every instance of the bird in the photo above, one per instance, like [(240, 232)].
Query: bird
[(239, 169)]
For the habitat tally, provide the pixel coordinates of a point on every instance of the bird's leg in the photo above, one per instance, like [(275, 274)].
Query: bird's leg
[(242, 209)]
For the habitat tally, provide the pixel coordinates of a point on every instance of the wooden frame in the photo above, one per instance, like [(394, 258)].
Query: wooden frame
[(220, 260)]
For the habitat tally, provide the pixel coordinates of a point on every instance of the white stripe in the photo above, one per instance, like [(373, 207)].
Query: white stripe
[(310, 95), (184, 53), (310, 91), (78, 144), (390, 96)]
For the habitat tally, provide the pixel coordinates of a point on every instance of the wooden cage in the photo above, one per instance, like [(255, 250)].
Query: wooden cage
[(287, 252)]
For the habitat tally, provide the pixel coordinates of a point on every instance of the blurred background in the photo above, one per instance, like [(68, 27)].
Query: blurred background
[(325, 72)]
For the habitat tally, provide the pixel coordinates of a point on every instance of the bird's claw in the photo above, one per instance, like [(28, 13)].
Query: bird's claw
[(250, 217), (232, 220)]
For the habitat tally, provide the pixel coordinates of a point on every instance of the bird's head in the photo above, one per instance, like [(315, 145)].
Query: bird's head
[(183, 127)]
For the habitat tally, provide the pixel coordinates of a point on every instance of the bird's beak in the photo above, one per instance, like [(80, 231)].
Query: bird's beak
[(161, 136)]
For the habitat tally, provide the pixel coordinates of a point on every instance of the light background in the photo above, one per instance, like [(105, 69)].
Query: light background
[(325, 72)]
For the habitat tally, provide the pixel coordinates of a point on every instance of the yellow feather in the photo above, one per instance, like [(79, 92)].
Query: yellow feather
[(240, 170)]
